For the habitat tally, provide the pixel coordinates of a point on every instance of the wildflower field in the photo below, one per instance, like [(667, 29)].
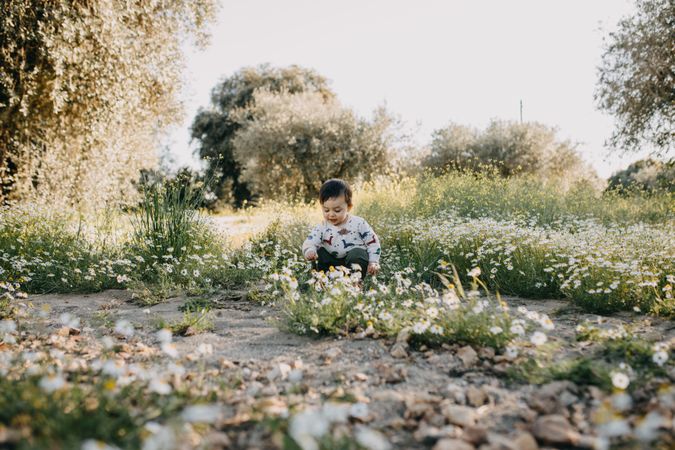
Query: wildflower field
[(508, 314)]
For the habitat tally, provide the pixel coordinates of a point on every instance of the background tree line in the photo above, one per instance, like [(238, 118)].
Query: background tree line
[(86, 89)]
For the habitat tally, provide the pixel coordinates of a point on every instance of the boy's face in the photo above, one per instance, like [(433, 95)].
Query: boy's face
[(335, 210)]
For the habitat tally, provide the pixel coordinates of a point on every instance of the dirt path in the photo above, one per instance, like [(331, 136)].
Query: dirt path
[(410, 398)]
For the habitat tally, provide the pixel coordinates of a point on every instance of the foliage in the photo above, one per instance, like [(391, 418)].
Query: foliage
[(646, 175), (635, 83), (167, 220), (193, 321), (55, 251), (215, 127), (614, 350), (514, 148), (296, 141), (484, 194), (334, 304), (85, 87)]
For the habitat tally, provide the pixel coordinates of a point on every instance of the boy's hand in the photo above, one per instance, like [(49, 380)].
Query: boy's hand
[(311, 255), (373, 268)]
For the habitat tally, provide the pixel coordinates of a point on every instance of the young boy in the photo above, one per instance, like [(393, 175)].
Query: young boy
[(342, 239)]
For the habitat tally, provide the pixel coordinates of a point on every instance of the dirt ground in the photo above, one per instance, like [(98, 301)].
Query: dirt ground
[(419, 399)]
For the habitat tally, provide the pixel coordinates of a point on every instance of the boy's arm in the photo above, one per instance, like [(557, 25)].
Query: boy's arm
[(372, 242), (313, 241)]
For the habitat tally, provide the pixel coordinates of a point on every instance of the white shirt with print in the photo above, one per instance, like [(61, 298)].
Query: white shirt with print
[(354, 232)]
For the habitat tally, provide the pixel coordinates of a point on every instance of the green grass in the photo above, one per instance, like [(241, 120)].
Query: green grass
[(194, 321), (526, 197)]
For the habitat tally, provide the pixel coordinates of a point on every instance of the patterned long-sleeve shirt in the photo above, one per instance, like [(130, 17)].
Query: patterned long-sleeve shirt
[(354, 232)]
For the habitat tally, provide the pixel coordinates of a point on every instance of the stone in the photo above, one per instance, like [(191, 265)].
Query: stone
[(553, 397), (475, 434), (360, 376), (279, 371), (295, 375), (398, 350), (486, 352), (525, 441), (403, 336), (476, 396), (468, 356), (456, 393), (330, 355), (521, 441), (427, 434), (453, 444), (555, 429), (463, 416), (218, 440), (420, 404)]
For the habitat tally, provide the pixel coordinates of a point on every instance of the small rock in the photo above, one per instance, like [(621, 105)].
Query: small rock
[(476, 396), (403, 336), (68, 331), (295, 375), (246, 373), (330, 355), (217, 440), (279, 371), (420, 404), (525, 441), (453, 444), (468, 356), (555, 429), (456, 393), (521, 441), (269, 391), (427, 434), (486, 352), (460, 415), (360, 376), (553, 397), (475, 434), (398, 350), (254, 388)]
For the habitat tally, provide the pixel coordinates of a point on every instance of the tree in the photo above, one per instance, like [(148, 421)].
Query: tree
[(637, 78), (514, 148), (646, 174), (85, 88), (296, 141), (214, 128)]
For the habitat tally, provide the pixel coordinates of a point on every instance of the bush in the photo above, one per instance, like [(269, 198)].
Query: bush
[(513, 148), (648, 175)]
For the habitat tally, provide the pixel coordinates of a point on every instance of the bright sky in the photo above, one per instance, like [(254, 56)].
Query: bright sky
[(432, 62)]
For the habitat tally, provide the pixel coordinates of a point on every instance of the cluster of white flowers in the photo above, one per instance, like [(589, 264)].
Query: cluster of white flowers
[(582, 259)]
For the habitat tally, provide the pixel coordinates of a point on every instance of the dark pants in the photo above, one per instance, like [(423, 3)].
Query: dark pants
[(355, 256)]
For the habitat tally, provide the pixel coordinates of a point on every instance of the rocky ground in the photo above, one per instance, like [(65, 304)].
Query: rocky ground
[(453, 398)]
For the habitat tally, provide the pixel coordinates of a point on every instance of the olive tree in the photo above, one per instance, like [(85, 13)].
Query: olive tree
[(214, 127), (294, 142), (85, 89), (513, 148), (636, 82)]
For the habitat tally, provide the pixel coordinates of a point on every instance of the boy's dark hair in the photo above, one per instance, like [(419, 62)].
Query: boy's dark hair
[(335, 187)]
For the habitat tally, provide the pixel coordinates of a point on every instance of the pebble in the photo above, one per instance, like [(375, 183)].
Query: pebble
[(453, 444), (476, 396), (460, 415), (555, 429), (468, 356), (279, 371), (398, 350)]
